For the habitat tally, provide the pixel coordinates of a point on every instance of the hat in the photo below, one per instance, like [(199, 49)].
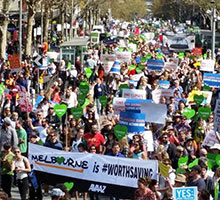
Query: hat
[(57, 192), (216, 146), (180, 178), (197, 168), (188, 138), (106, 123), (7, 120)]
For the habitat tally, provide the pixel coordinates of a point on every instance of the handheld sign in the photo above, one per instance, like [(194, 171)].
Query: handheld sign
[(185, 193), (60, 109)]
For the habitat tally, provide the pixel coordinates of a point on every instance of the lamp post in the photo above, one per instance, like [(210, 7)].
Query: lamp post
[(213, 28)]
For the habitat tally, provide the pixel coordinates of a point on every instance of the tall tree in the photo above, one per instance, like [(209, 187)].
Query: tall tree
[(32, 6), (4, 20)]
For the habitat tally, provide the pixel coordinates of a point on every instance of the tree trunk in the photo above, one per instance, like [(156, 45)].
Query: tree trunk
[(28, 44), (3, 37), (46, 22)]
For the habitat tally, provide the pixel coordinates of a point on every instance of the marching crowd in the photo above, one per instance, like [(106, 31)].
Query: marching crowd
[(178, 143)]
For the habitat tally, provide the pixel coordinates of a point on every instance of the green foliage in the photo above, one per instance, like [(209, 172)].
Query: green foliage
[(127, 10)]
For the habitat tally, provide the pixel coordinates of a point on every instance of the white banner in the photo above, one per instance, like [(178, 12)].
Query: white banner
[(157, 94), (133, 94), (123, 56), (154, 113), (92, 167), (207, 65)]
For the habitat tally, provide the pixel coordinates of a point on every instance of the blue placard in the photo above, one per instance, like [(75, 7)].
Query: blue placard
[(134, 105), (155, 65), (185, 193), (164, 84), (212, 80), (135, 122)]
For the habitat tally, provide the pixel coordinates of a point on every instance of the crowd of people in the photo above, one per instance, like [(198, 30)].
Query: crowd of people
[(93, 132)]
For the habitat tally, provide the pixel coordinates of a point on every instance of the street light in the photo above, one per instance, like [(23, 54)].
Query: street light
[(213, 28)]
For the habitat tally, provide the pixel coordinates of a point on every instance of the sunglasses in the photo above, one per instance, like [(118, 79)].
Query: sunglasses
[(17, 152)]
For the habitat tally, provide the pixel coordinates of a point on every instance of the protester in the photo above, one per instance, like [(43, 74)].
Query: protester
[(7, 173), (22, 166)]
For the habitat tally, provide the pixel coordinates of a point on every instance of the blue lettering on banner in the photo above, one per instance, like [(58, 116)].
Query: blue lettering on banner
[(155, 65), (185, 193), (135, 122), (212, 80), (164, 84), (134, 105)]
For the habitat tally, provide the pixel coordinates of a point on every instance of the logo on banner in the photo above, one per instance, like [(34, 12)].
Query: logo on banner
[(97, 188)]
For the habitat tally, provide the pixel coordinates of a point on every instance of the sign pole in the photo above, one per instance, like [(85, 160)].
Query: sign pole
[(20, 30)]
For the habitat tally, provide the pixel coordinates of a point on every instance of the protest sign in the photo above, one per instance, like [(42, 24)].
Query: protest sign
[(133, 94), (212, 80), (123, 56), (197, 51), (107, 175), (119, 104), (185, 193), (217, 116), (207, 65), (154, 113), (206, 94), (130, 105), (116, 68), (164, 169), (157, 94), (155, 65), (165, 50), (14, 61), (108, 58), (134, 105), (210, 139), (164, 84), (170, 66), (135, 122), (24, 101)]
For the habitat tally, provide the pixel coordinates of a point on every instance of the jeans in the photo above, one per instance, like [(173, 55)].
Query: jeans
[(6, 183), (23, 187), (99, 107)]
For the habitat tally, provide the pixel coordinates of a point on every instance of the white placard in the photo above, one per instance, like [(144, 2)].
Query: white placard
[(123, 56), (210, 139), (158, 93), (133, 94), (207, 65), (155, 113)]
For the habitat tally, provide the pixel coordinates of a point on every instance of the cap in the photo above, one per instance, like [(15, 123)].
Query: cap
[(7, 120)]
